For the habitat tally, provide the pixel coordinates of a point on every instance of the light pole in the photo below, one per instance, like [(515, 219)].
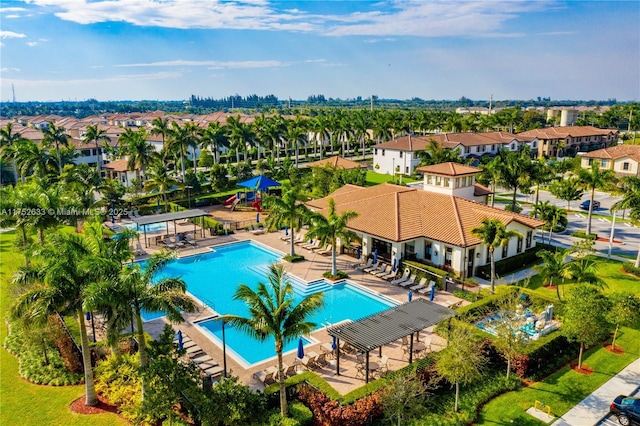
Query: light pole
[(613, 225), (188, 187)]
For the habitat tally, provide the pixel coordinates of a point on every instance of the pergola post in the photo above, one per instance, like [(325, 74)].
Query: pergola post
[(337, 357), (411, 349), (366, 367)]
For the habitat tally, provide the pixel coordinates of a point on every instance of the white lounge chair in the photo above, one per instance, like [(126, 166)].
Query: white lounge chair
[(383, 272), (381, 266), (373, 267), (410, 281), (327, 250), (365, 266), (139, 251), (255, 230), (427, 289), (392, 274), (403, 278), (421, 284)]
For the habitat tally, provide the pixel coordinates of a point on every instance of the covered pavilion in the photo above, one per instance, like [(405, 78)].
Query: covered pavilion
[(377, 330), (142, 221)]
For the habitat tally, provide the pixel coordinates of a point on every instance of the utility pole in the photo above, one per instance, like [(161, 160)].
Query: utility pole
[(490, 103), (371, 103), (13, 91)]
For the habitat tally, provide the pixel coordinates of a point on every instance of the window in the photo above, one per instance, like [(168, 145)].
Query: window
[(448, 255), (429, 179), (463, 181), (383, 152), (438, 180), (505, 250), (406, 169), (428, 248), (467, 150), (519, 249), (481, 148), (410, 250), (590, 161), (401, 154), (513, 146), (529, 238), (625, 165), (604, 163), (493, 147), (375, 151), (457, 183), (447, 182)]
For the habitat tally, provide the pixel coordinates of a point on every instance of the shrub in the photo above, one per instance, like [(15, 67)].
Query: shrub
[(301, 413), (466, 295), (583, 234), (118, 380), (630, 268), (513, 263), (328, 411), (339, 276), (295, 258)]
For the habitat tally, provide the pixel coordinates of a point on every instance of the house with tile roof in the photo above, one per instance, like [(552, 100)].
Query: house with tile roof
[(337, 162), (432, 224), (401, 154), (624, 160), (568, 141)]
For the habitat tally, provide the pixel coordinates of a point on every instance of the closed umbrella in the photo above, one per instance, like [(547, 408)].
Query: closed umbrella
[(410, 295), (395, 264), (286, 230), (375, 256), (258, 217), (334, 343), (358, 252), (180, 344), (433, 293), (300, 353)]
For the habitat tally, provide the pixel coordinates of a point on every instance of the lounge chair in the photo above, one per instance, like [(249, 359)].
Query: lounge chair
[(427, 289), (421, 284), (311, 245), (383, 272), (381, 267), (136, 213), (289, 370), (255, 230), (139, 251), (130, 215), (373, 267), (409, 282), (392, 274), (169, 243), (384, 364), (327, 250), (189, 240), (365, 266), (266, 376), (403, 278)]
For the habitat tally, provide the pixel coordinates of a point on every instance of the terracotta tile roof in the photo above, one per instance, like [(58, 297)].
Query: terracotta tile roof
[(449, 169), (337, 162), (615, 152), (117, 165), (562, 132), (398, 213), (480, 190), (450, 140)]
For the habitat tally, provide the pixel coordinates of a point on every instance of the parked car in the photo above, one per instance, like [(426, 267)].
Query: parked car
[(585, 205), (626, 409)]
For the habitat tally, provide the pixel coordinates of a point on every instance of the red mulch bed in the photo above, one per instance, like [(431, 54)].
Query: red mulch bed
[(586, 370), (617, 350), (102, 407)]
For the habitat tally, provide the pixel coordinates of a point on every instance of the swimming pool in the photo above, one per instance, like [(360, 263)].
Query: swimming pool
[(152, 227), (214, 277)]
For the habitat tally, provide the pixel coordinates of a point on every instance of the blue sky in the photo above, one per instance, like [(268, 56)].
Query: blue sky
[(170, 49)]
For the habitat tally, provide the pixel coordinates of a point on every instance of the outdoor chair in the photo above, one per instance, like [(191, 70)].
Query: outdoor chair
[(383, 272), (403, 278), (409, 282), (289, 370), (255, 230), (380, 267), (168, 243), (421, 284), (392, 274), (427, 289), (361, 267), (139, 251), (327, 250), (384, 364), (311, 245), (190, 240), (373, 267), (266, 376)]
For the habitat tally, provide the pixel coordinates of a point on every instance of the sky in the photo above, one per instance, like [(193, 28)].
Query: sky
[(53, 50)]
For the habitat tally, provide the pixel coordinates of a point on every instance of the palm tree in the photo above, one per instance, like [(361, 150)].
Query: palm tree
[(214, 137), (568, 189), (554, 265), (160, 180), (296, 135), (551, 214), (144, 288), (139, 151), (65, 275), (584, 270), (331, 228), (320, 126), (630, 200), (286, 210), (435, 153), (9, 146), (54, 135), (493, 233), (541, 173), (272, 313), (240, 135), (31, 158), (514, 171), (160, 126), (594, 178), (94, 134)]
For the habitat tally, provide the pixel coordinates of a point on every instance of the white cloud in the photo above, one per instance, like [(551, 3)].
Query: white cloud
[(211, 64), (10, 34), (32, 43), (114, 79), (5, 69)]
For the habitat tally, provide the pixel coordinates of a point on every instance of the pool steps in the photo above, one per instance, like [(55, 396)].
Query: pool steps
[(300, 287)]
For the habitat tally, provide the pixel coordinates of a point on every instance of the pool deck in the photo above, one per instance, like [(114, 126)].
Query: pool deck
[(309, 270)]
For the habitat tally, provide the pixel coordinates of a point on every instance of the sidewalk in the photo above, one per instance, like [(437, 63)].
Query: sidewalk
[(596, 406)]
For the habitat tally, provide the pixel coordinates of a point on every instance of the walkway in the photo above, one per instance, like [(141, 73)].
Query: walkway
[(596, 406)]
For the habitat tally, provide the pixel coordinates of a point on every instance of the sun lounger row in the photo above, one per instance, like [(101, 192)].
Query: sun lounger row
[(209, 367), (181, 240)]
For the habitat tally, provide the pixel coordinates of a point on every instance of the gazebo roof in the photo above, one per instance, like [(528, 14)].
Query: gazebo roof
[(390, 325), (168, 217)]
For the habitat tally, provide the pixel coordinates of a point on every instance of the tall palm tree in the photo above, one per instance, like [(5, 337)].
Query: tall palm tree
[(296, 135), (331, 228), (541, 173), (31, 158), (435, 153), (320, 126), (514, 171), (55, 135), (554, 266), (240, 135), (161, 180), (65, 275), (493, 233), (160, 126), (551, 214), (95, 135), (272, 312), (214, 137), (9, 145), (630, 200), (140, 153), (592, 179), (180, 141), (286, 210)]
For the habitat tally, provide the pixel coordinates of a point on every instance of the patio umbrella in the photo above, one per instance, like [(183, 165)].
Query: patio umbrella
[(286, 230), (258, 217), (300, 353), (358, 252), (410, 295), (180, 344), (375, 256), (433, 293), (333, 343), (395, 264)]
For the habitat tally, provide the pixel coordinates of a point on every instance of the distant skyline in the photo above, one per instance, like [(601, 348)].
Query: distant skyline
[(53, 50)]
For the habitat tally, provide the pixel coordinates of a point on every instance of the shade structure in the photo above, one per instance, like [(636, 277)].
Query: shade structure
[(180, 343), (260, 182), (300, 353)]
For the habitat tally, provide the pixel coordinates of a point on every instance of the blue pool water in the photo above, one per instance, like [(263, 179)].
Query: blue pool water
[(214, 277), (152, 227)]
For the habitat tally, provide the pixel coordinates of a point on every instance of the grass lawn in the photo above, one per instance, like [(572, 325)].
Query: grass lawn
[(25, 404), (374, 178), (563, 389)]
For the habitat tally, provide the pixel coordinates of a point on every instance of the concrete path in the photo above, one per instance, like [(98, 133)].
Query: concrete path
[(595, 407)]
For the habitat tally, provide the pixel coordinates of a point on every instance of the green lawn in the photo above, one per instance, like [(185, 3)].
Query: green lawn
[(563, 389), (25, 404), (374, 178)]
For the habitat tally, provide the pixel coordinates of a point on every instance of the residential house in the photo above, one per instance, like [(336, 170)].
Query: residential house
[(569, 140), (624, 160)]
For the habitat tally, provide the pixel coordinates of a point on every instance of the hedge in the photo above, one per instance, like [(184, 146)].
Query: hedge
[(416, 268), (514, 263), (630, 268)]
